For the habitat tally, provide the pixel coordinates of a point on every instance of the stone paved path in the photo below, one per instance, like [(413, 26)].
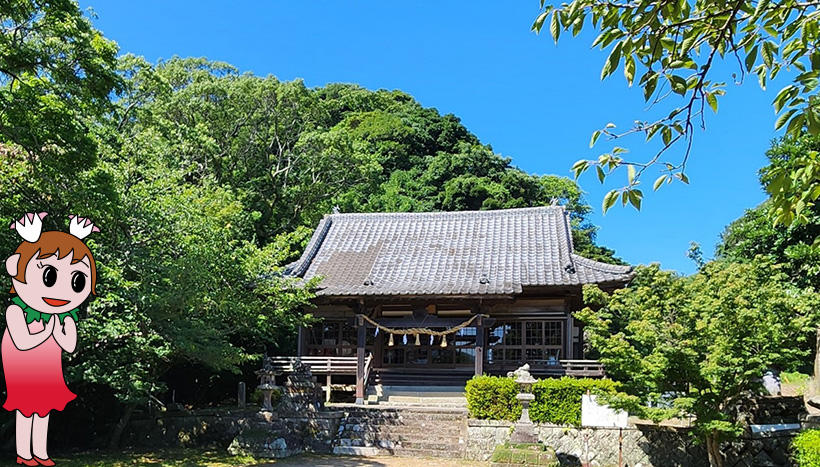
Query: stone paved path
[(349, 461)]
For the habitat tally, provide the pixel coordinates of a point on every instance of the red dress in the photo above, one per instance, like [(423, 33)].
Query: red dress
[(34, 377)]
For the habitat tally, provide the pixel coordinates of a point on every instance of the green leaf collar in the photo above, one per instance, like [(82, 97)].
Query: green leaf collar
[(33, 315)]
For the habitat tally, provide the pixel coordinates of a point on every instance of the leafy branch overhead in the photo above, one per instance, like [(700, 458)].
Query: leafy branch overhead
[(670, 47)]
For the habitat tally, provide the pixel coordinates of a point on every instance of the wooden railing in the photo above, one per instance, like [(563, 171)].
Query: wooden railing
[(575, 368), (347, 366), (318, 365), (583, 368)]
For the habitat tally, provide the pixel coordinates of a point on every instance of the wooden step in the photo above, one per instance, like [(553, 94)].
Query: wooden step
[(413, 377)]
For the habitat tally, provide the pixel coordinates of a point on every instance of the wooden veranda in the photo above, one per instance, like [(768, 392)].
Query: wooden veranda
[(362, 364)]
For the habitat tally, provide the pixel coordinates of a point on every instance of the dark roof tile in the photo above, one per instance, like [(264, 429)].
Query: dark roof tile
[(448, 253)]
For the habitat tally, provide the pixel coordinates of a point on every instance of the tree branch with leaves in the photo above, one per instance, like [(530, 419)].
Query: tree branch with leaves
[(675, 44)]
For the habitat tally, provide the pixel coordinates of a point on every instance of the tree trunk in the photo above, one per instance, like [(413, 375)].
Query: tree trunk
[(114, 442), (713, 449)]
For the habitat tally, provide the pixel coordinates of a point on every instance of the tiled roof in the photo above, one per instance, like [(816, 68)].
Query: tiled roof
[(448, 253)]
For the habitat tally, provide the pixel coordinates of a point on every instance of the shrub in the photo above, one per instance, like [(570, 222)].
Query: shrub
[(806, 446), (558, 400), (525, 454), (492, 398)]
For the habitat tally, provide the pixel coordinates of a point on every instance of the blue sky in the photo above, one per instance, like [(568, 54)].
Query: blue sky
[(531, 100)]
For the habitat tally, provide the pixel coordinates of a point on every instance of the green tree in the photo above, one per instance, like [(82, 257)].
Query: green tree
[(292, 154), (669, 48), (797, 246), (184, 282), (52, 60), (56, 75), (699, 345)]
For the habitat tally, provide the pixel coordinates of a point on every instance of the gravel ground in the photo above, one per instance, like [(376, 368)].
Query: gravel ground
[(347, 461)]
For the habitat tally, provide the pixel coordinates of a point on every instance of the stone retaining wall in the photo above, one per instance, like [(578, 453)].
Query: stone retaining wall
[(266, 434), (201, 428), (262, 434), (639, 446)]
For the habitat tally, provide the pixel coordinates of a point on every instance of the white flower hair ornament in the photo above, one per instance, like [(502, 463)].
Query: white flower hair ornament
[(81, 227), (29, 226)]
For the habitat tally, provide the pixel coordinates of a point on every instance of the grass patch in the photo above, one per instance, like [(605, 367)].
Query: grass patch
[(525, 454), (794, 382), (171, 457)]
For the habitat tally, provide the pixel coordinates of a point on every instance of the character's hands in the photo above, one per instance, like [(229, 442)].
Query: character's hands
[(50, 325), (66, 335), (81, 227), (30, 226)]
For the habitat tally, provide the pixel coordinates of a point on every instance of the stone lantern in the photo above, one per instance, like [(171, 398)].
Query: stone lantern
[(267, 383), (524, 432)]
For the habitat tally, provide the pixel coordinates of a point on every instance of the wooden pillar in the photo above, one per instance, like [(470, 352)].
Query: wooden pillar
[(567, 338), (362, 329), (300, 346), (327, 388), (479, 346)]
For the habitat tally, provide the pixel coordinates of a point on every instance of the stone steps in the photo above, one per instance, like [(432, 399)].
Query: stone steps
[(422, 453), (403, 420), (412, 443), (357, 451), (417, 396), (423, 432), (404, 440)]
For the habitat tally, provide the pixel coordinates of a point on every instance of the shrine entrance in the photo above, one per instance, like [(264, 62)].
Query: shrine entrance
[(458, 353)]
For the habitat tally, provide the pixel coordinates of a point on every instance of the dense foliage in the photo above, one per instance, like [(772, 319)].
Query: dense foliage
[(56, 74), (492, 398), (796, 247), (669, 49), (205, 182), (291, 154), (698, 345), (557, 400), (806, 446)]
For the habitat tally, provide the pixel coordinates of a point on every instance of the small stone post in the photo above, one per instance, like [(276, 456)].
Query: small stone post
[(240, 395)]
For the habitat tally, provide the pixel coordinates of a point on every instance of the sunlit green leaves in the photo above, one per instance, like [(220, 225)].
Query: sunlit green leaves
[(54, 61), (539, 21), (702, 340), (782, 119), (629, 69), (659, 181), (678, 84), (682, 41), (794, 182), (609, 200), (712, 100), (555, 27), (611, 63)]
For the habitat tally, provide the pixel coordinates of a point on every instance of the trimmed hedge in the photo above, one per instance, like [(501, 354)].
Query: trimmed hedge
[(557, 400), (806, 446), (492, 398)]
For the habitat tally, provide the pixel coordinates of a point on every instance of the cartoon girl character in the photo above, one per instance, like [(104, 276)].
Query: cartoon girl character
[(52, 273)]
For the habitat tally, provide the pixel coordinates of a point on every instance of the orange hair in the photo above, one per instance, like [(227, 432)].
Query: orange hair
[(49, 244)]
